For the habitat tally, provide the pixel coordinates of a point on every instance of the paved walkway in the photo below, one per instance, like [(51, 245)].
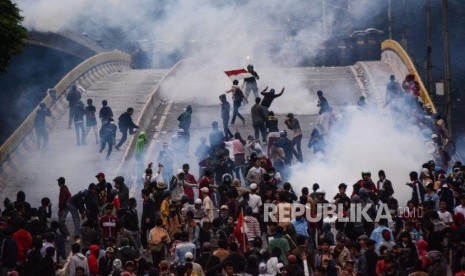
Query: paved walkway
[(40, 169)]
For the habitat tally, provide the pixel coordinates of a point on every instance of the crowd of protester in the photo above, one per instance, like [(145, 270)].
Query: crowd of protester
[(214, 224)]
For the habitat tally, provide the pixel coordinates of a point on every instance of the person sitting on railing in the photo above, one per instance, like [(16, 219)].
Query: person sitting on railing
[(411, 88)]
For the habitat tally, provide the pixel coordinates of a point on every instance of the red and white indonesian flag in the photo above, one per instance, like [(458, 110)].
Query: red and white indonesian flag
[(241, 227), (238, 74)]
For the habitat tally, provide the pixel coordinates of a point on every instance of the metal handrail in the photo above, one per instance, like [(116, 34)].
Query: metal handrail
[(395, 47)]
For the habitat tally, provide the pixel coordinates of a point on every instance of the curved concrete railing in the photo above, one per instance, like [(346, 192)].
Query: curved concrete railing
[(394, 54), (148, 113), (84, 75)]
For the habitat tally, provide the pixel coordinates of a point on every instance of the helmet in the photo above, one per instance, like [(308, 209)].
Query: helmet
[(320, 191), (227, 179)]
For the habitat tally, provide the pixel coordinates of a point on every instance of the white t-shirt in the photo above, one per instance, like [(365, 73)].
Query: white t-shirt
[(460, 209), (255, 201), (445, 217)]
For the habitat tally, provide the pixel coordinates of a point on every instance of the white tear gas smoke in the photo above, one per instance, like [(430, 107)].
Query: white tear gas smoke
[(228, 37), (365, 140), (216, 36), (203, 86)]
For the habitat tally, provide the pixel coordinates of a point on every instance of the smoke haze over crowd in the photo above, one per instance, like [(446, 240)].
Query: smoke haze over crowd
[(219, 36)]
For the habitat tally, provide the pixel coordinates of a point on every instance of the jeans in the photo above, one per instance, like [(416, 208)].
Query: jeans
[(62, 214), (236, 106), (70, 207), (41, 134), (103, 142), (251, 87), (94, 129), (227, 133), (262, 129), (71, 115), (240, 171), (124, 136), (80, 133), (297, 141)]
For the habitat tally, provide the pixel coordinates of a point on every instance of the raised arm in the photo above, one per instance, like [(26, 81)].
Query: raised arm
[(280, 93), (264, 90)]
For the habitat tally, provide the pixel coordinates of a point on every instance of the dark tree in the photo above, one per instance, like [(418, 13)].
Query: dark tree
[(12, 33)]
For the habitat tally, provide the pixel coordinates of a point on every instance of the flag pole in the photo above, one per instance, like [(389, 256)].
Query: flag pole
[(243, 229)]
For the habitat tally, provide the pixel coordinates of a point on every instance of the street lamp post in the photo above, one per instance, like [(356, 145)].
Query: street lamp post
[(389, 19), (445, 18), (429, 48)]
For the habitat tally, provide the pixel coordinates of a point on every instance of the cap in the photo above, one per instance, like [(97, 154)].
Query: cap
[(61, 180), (119, 179), (363, 237), (161, 185), (166, 193), (188, 256), (253, 186), (100, 174), (205, 190), (198, 201), (110, 249), (224, 207), (434, 136)]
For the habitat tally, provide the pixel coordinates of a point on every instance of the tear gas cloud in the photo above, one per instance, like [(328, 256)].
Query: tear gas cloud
[(217, 36), (365, 140), (220, 36)]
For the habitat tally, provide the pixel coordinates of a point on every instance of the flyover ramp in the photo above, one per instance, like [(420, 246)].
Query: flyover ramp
[(37, 173), (377, 76)]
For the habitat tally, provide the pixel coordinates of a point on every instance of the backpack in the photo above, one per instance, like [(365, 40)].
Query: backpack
[(239, 95), (80, 198)]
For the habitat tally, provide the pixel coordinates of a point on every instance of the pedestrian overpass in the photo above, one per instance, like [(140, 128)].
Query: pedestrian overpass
[(108, 75)]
